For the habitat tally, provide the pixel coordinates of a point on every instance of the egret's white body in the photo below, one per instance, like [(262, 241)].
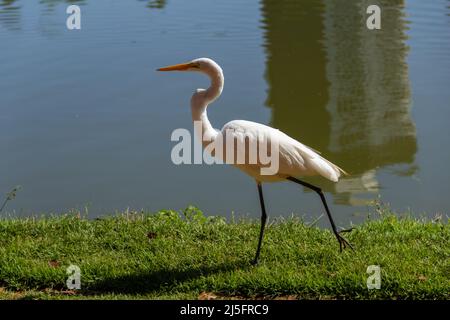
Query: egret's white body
[(295, 159)]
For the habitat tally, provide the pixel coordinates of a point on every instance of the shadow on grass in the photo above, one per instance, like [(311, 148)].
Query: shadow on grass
[(155, 281)]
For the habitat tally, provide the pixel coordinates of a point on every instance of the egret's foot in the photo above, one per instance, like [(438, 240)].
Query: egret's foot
[(343, 244), (254, 262)]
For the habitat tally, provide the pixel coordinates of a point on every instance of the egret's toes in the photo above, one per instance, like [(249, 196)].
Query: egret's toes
[(343, 243)]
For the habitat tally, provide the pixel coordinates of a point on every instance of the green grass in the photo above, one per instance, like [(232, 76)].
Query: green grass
[(180, 256)]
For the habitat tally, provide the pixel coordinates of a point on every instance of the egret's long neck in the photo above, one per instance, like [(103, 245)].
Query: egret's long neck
[(200, 101)]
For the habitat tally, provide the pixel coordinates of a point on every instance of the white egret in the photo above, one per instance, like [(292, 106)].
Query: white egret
[(295, 159)]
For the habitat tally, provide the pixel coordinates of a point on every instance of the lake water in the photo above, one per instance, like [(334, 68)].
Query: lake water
[(85, 121)]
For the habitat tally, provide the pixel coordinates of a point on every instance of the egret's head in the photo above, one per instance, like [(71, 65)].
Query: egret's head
[(208, 67), (204, 65)]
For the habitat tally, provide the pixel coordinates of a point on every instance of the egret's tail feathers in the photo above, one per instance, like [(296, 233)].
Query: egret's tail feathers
[(339, 171), (327, 169), (342, 171)]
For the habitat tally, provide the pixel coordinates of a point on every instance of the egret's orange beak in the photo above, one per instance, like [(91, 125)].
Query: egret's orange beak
[(178, 67)]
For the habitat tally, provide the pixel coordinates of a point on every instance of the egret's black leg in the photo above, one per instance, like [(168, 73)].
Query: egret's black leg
[(341, 240), (263, 222)]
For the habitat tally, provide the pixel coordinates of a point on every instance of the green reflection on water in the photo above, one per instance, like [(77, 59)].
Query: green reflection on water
[(341, 88)]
